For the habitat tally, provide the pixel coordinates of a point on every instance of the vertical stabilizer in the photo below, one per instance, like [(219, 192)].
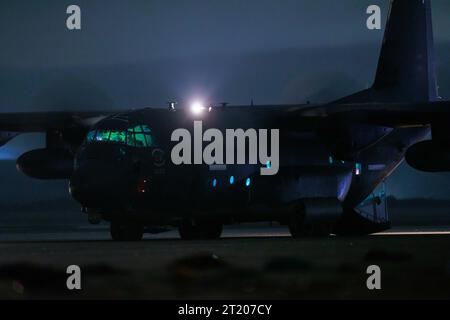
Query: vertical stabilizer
[(406, 67)]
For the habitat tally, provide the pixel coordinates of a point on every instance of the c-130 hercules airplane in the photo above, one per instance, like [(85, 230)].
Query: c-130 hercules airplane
[(331, 156)]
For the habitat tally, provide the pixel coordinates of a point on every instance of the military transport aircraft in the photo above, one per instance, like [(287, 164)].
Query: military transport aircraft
[(331, 156)]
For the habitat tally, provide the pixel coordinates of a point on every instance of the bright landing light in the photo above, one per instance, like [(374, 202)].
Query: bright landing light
[(197, 108)]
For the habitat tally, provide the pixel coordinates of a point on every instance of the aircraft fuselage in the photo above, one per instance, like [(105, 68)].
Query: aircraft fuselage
[(143, 183)]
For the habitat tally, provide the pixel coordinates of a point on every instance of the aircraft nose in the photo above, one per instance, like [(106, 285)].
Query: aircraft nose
[(98, 184)]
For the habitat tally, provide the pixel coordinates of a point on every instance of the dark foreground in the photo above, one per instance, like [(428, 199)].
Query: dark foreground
[(412, 266)]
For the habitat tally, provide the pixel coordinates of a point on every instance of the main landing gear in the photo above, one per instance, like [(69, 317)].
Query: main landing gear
[(301, 229), (189, 229), (200, 229)]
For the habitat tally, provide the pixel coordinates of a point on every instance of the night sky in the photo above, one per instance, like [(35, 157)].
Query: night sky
[(144, 53)]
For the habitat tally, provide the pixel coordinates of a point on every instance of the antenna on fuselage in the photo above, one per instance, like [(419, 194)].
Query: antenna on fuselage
[(172, 105)]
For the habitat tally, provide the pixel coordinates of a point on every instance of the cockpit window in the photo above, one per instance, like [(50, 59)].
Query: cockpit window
[(102, 135), (142, 136), (138, 136), (118, 136), (90, 136)]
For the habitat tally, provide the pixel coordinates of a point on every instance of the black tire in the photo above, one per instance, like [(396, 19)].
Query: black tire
[(210, 229), (297, 226), (121, 231), (187, 230), (300, 229), (200, 229), (322, 230)]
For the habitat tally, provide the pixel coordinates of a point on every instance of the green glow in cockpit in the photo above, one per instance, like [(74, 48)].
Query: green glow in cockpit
[(138, 136)]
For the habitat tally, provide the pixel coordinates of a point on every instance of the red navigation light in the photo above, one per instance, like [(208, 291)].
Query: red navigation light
[(142, 186)]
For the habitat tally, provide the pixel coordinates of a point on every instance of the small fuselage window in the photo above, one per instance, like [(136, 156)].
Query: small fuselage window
[(139, 136)]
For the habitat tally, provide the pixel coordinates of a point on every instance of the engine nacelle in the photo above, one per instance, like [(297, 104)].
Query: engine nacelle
[(429, 156), (46, 164)]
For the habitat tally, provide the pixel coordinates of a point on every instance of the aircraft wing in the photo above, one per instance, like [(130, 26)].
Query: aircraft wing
[(395, 115), (298, 117), (13, 124), (42, 121)]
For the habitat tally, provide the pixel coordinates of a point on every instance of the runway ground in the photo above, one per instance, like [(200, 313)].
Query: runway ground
[(249, 262)]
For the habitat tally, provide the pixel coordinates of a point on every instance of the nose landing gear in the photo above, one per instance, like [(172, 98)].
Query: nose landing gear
[(126, 231)]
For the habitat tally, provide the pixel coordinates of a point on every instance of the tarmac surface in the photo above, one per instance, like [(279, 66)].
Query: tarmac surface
[(260, 262)]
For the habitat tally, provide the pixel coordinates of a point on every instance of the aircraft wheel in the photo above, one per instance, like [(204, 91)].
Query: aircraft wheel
[(322, 230), (300, 229), (126, 231), (200, 229), (210, 229), (297, 226)]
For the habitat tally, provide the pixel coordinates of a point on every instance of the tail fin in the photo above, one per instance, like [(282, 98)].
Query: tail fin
[(406, 67)]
